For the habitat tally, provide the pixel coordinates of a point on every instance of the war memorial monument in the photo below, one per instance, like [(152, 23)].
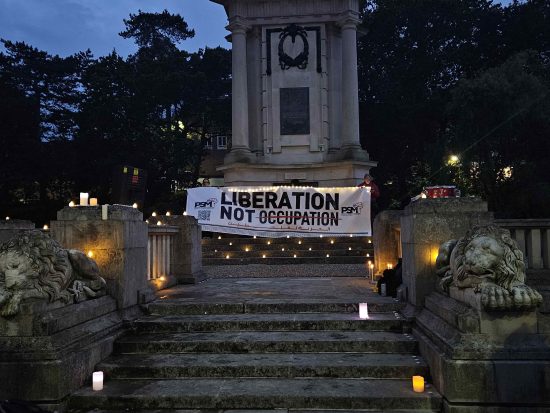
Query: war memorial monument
[(103, 311)]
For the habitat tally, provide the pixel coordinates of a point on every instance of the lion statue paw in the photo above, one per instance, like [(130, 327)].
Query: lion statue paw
[(490, 262)]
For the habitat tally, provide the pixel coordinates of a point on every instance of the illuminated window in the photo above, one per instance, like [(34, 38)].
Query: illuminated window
[(222, 142)]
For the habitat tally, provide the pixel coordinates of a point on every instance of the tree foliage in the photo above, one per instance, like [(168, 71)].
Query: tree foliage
[(437, 77), (411, 62), (68, 122)]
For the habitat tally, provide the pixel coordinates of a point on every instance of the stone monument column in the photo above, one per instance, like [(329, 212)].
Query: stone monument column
[(351, 145), (240, 148)]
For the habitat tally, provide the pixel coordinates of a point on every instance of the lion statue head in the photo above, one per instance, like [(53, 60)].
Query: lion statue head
[(33, 265), (488, 260)]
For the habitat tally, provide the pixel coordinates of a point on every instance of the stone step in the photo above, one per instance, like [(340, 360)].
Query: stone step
[(293, 247), (287, 260), (236, 252), (268, 342), (182, 306), (263, 411), (225, 240), (346, 365), (272, 322), (252, 393)]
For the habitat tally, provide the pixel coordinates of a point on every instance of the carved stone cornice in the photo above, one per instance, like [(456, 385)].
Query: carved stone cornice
[(238, 25), (348, 21)]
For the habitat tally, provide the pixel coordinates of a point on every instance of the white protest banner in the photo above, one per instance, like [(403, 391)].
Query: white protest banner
[(282, 211)]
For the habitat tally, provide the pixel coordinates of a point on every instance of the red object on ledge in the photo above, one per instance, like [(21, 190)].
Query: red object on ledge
[(441, 191)]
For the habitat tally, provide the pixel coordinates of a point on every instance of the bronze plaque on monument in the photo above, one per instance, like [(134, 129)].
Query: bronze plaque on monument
[(295, 111)]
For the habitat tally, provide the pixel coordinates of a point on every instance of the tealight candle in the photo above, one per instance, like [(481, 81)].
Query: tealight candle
[(134, 205), (84, 198), (71, 204), (93, 201), (363, 311), (97, 380), (418, 384)]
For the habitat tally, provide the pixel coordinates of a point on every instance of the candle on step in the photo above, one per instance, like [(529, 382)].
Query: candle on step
[(418, 384), (93, 201), (84, 198), (97, 380), (363, 311)]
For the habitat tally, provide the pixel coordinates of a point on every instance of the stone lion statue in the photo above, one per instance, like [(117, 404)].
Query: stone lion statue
[(488, 260), (33, 265)]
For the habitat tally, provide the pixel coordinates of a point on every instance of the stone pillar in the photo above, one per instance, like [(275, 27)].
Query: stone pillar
[(351, 145), (240, 147), (425, 225), (187, 260), (118, 245)]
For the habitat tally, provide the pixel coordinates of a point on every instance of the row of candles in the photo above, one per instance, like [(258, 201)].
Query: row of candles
[(417, 381), (85, 200)]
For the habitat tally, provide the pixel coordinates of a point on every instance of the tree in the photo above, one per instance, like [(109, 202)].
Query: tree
[(500, 124), (412, 54)]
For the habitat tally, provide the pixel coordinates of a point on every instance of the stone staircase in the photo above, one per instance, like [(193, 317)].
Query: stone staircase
[(278, 357), (227, 250)]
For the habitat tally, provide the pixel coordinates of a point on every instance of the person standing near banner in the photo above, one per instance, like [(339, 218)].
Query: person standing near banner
[(368, 181)]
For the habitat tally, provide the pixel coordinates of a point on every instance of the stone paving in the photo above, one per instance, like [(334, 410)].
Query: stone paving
[(281, 290), (286, 270)]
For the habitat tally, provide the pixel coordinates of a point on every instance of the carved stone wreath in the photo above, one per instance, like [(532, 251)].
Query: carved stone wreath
[(299, 61)]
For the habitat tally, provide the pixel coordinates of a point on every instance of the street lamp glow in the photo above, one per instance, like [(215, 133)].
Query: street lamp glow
[(453, 160)]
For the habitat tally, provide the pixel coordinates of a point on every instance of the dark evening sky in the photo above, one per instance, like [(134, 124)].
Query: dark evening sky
[(67, 26)]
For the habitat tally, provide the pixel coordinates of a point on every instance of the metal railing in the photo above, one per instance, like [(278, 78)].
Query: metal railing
[(160, 251), (533, 238)]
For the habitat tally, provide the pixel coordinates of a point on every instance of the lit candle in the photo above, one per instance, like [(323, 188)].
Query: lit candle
[(104, 212), (97, 380), (7, 218), (363, 311), (71, 204), (84, 198), (418, 384), (93, 201), (168, 213), (90, 254), (46, 227), (134, 205), (389, 266)]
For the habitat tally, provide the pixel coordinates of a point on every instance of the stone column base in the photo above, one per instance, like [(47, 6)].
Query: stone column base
[(239, 155), (326, 174)]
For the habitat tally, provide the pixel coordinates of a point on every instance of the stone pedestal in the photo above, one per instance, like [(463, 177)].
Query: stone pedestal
[(386, 239), (118, 245), (295, 94), (484, 362), (48, 351), (425, 225), (187, 258)]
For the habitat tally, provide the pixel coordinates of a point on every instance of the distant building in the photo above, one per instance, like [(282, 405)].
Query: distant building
[(216, 146)]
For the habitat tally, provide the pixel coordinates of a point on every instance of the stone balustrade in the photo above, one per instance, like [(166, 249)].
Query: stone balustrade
[(160, 251), (533, 238)]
